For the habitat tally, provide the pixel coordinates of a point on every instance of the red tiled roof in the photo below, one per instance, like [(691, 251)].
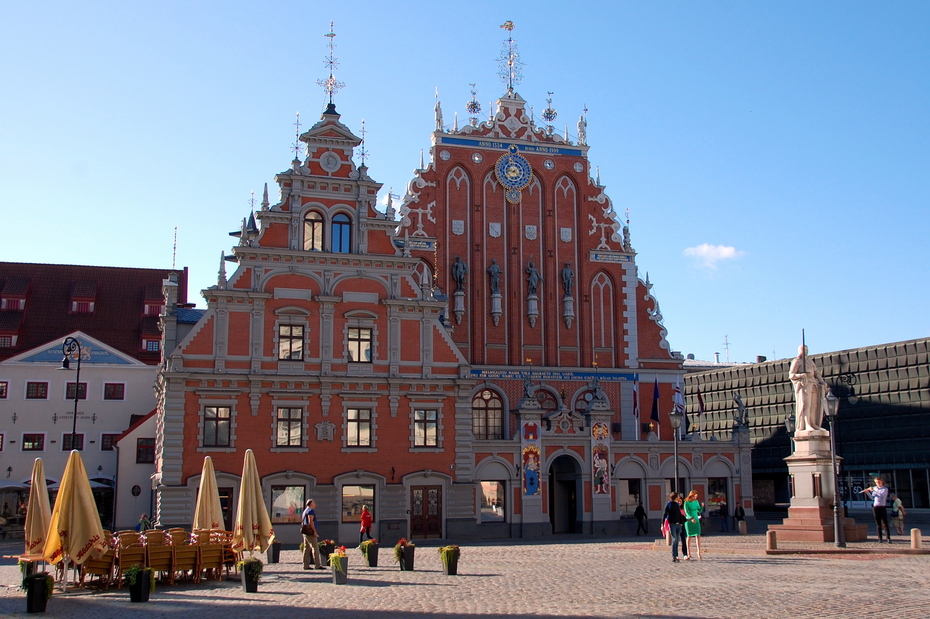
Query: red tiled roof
[(118, 311), (84, 290), (140, 419), (15, 286)]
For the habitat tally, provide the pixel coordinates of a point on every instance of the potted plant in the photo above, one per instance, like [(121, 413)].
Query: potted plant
[(250, 570), (326, 547), (450, 559), (141, 581), (340, 564), (369, 550), (38, 587), (403, 554), (274, 552)]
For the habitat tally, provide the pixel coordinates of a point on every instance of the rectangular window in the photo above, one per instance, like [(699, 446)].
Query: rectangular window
[(13, 305), (425, 428), (153, 309), (6, 341), (291, 342), (114, 391), (359, 345), (358, 427), (353, 498), (36, 391), (1, 442), (82, 307), (3, 389), (151, 345), (492, 501), (287, 504), (290, 426), (82, 392), (107, 441), (145, 450), (66, 442), (216, 426), (33, 442)]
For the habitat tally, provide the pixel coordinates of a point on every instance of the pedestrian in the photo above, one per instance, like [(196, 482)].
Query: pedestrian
[(897, 513), (693, 509), (640, 515), (724, 517), (684, 538), (144, 524), (879, 495), (366, 524), (310, 535), (739, 514), (672, 515)]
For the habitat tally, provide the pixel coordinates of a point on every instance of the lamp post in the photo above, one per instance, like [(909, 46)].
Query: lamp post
[(831, 408), (68, 347), (674, 419)]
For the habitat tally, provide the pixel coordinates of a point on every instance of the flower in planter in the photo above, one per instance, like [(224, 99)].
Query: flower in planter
[(134, 572), (252, 567), (366, 546), (335, 558), (399, 548), (32, 578)]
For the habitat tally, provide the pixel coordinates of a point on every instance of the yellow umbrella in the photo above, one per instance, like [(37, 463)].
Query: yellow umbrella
[(38, 510), (209, 512), (253, 526), (74, 532)]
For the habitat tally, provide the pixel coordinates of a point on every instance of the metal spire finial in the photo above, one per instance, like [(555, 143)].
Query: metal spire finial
[(510, 68), (296, 146), (362, 151), (549, 114), (331, 85), (473, 107)]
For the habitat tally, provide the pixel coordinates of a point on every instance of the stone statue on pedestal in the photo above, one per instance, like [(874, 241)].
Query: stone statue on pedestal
[(809, 391)]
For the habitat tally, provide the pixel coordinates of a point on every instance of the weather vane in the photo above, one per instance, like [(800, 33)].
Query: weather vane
[(510, 69), (549, 114), (331, 85), (297, 137)]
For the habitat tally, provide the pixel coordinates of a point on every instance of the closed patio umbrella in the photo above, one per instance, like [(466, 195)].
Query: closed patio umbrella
[(209, 511), (253, 526), (74, 533), (38, 510)]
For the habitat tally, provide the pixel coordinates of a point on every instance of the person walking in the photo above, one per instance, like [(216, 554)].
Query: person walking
[(366, 524), (672, 515), (640, 515), (693, 509), (879, 495), (897, 513), (739, 514), (311, 538), (724, 517), (144, 524)]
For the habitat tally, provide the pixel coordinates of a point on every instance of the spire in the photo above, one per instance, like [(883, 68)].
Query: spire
[(473, 107), (296, 146), (510, 69), (455, 122), (330, 85), (265, 198), (362, 151), (221, 276)]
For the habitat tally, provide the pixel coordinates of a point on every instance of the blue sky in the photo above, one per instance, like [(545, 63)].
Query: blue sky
[(774, 156)]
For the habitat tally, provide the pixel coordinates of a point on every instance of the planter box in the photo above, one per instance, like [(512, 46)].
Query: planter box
[(140, 590), (406, 558), (371, 559), (341, 574), (249, 585), (36, 593), (325, 551), (274, 552), (451, 567)]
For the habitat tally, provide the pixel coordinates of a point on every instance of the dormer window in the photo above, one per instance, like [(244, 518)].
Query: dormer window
[(314, 232), (83, 297), (13, 295)]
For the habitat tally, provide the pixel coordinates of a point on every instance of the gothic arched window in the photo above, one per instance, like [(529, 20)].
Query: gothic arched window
[(487, 414), (342, 234), (314, 232)]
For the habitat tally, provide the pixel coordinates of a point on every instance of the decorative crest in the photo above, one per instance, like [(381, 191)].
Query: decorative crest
[(510, 68), (473, 107), (549, 114), (331, 85)]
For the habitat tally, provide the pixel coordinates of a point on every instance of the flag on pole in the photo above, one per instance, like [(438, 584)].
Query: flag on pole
[(679, 403), (636, 397), (700, 410), (655, 405)]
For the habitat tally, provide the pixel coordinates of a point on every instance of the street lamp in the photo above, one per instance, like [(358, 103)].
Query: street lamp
[(831, 408), (674, 419), (68, 347)]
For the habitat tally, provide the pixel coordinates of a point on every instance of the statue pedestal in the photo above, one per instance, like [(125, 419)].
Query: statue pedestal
[(810, 516)]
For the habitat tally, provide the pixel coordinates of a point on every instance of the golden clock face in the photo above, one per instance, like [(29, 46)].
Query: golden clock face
[(513, 170)]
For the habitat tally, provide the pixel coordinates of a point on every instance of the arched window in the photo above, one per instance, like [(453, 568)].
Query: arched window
[(487, 414), (314, 232), (342, 234)]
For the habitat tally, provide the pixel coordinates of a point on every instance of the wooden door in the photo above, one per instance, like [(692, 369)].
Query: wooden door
[(425, 511)]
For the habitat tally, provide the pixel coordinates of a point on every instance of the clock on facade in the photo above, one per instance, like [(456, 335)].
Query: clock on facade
[(514, 173)]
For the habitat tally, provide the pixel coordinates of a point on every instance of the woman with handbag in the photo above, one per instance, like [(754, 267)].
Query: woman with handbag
[(309, 533)]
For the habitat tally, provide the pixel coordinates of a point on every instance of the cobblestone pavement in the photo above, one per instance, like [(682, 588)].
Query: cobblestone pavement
[(563, 577)]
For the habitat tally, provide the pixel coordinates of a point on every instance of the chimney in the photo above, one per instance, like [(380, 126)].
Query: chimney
[(716, 357), (760, 359)]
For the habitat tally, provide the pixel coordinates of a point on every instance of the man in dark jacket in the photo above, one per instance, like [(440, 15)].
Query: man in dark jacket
[(675, 522), (640, 515)]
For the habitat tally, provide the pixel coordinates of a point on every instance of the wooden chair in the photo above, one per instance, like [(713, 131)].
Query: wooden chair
[(211, 552), (186, 555), (102, 567), (159, 553), (129, 551), (231, 557)]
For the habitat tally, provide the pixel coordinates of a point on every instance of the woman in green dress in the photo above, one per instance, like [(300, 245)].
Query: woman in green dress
[(693, 523)]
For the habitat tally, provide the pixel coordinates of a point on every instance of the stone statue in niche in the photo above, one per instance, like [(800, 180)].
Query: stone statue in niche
[(494, 276), (532, 278), (568, 279), (459, 269)]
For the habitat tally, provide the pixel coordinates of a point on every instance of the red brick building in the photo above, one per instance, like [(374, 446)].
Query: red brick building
[(468, 371)]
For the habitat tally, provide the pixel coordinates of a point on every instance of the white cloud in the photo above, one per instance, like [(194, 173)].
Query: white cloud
[(708, 256)]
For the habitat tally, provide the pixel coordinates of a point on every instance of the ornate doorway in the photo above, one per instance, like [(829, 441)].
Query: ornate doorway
[(425, 511), (565, 495)]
